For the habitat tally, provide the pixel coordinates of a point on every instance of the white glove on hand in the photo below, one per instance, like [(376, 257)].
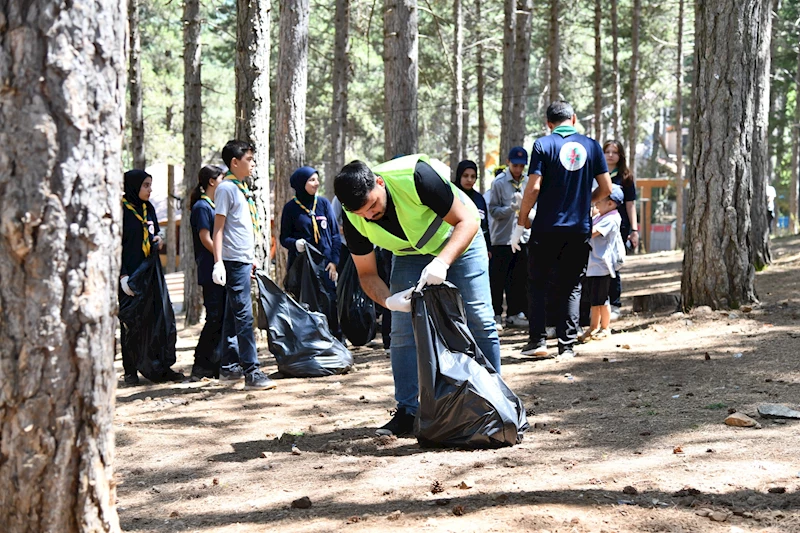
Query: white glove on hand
[(516, 235), (400, 301), (516, 202), (125, 288), (300, 244), (218, 275), (433, 274)]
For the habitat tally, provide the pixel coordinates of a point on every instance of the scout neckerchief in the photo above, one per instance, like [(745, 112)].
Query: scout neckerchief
[(565, 131), (250, 202), (145, 227), (517, 186), (312, 213), (209, 200), (613, 173)]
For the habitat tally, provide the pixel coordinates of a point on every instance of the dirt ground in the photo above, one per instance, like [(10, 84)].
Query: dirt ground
[(628, 436)]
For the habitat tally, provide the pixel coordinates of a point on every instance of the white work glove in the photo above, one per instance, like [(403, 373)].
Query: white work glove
[(218, 275), (125, 288), (300, 244), (400, 301), (516, 236), (433, 274), (516, 202)]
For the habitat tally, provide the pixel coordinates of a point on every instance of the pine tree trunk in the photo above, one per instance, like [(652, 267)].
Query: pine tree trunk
[(793, 214), (171, 238), (634, 83), (775, 98), (339, 80), (457, 103), (679, 183), (481, 84), (465, 115), (507, 103), (520, 76), (62, 107), (760, 255), (400, 73), (598, 71), (727, 62), (617, 115), (252, 106), (290, 109), (192, 154), (135, 87), (555, 52)]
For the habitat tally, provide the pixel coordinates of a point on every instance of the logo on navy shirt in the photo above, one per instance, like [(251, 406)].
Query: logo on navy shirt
[(572, 156)]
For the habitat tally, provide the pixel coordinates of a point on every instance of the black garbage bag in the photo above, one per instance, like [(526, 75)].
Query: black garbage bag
[(356, 309), (149, 321), (299, 339), (304, 280), (463, 403)]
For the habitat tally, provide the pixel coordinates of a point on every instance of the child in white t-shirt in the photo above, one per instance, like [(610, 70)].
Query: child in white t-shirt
[(605, 258)]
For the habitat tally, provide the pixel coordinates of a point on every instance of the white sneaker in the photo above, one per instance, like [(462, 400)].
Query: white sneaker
[(517, 321), (498, 322), (615, 312)]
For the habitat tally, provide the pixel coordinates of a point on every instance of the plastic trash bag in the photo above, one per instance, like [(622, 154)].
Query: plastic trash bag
[(149, 321), (304, 280), (356, 309), (299, 339), (464, 403)]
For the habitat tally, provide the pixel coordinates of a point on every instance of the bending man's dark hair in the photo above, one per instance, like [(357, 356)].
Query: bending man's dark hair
[(235, 149), (559, 111), (206, 174), (353, 184)]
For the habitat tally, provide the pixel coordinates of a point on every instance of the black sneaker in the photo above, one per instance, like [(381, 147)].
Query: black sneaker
[(233, 372), (258, 380), (535, 348), (131, 379), (402, 423)]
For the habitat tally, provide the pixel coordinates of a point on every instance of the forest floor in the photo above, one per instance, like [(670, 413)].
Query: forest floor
[(628, 437)]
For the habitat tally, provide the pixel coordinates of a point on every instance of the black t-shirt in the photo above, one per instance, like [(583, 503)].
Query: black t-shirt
[(432, 190)]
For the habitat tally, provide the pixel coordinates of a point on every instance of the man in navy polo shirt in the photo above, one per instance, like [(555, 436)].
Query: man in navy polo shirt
[(563, 166)]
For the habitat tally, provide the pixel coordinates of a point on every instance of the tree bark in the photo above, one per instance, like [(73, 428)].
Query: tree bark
[(775, 101), (252, 107), (555, 52), (598, 71), (290, 109), (521, 71), (481, 84), (465, 115), (634, 83), (62, 108), (679, 183), (171, 238), (760, 255), (717, 270), (617, 126), (793, 192), (507, 103), (457, 104), (340, 78), (400, 73), (135, 87), (192, 154)]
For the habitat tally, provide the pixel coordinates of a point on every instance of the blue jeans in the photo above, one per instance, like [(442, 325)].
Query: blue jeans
[(237, 327), (470, 273)]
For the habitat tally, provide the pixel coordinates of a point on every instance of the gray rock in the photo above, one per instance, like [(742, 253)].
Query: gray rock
[(774, 410)]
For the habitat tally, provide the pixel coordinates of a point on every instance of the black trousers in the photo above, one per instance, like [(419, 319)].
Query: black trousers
[(508, 273), (560, 259), (208, 353), (384, 260)]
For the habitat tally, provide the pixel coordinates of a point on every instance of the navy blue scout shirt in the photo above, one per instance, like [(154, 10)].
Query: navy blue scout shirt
[(567, 166), (202, 218), (629, 195), (296, 224)]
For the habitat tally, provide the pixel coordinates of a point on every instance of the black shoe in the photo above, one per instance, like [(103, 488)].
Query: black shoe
[(200, 373), (131, 379), (402, 423), (258, 380), (535, 348), (172, 375), (233, 372)]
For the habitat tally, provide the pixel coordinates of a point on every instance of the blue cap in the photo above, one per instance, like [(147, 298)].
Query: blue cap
[(616, 194), (518, 156)]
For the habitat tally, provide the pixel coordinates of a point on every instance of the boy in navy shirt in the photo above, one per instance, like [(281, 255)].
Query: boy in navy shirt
[(562, 168)]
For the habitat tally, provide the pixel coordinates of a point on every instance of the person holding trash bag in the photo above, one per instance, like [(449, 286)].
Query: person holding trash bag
[(140, 240), (207, 353), (432, 228)]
